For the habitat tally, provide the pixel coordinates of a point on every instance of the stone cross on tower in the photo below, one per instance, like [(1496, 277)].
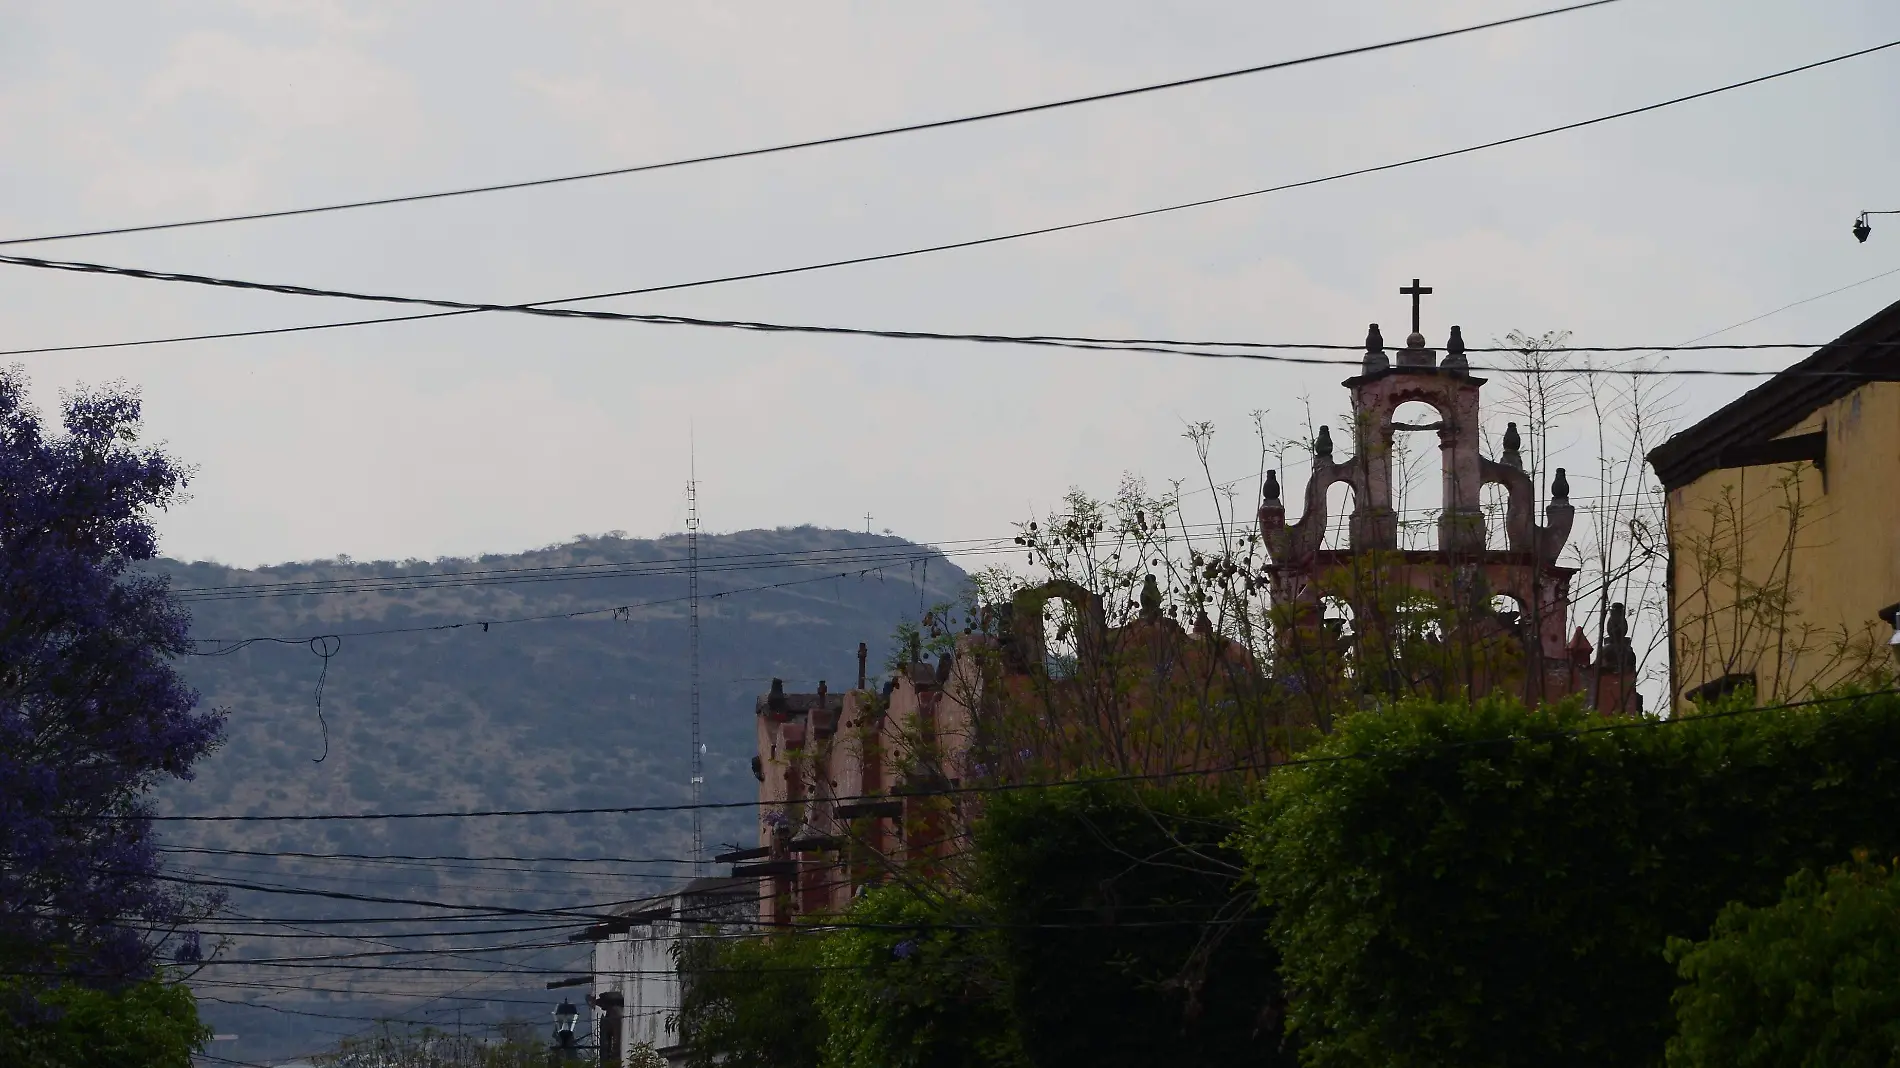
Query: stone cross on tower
[(1415, 354), (1415, 291)]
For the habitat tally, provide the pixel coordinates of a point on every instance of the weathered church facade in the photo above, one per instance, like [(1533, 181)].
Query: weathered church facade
[(1511, 600), (844, 797)]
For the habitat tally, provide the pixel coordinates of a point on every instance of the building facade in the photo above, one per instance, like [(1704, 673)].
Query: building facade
[(637, 984), (1783, 512), (855, 786), (1464, 616)]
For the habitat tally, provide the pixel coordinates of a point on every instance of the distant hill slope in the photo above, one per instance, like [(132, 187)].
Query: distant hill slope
[(581, 712)]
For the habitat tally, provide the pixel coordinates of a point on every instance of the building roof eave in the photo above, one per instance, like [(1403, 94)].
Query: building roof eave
[(1868, 352)]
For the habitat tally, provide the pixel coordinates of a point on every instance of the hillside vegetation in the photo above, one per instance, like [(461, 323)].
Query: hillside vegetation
[(554, 713)]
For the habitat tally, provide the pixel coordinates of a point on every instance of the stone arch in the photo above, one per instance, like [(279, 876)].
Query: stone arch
[(1026, 626), (1418, 461), (1376, 400)]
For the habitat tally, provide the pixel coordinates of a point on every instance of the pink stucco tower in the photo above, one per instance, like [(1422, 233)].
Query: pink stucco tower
[(1526, 594)]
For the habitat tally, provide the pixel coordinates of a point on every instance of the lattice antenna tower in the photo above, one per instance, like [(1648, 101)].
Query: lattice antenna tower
[(692, 641)]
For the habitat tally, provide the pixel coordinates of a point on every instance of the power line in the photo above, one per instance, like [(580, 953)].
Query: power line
[(451, 580), (360, 876), (985, 789), (232, 645), (1259, 351), (839, 139), (414, 857), (893, 553), (328, 644), (569, 572), (284, 987), (339, 895), (1267, 351), (542, 307)]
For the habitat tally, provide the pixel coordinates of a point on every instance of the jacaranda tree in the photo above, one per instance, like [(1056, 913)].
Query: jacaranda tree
[(93, 713)]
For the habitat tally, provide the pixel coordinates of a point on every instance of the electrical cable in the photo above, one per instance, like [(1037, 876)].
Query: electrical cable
[(657, 568), (839, 139), (1256, 350), (1294, 762), (452, 580), (667, 565), (229, 646), (221, 872), (290, 983), (542, 307), (907, 553), (410, 857)]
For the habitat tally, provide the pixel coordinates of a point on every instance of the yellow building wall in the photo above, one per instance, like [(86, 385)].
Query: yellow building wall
[(1779, 570)]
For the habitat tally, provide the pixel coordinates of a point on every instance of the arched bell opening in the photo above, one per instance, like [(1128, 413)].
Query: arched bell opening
[(1495, 500), (1418, 473), (1341, 502), (1340, 627)]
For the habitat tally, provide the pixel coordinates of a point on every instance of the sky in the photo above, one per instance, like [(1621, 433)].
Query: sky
[(500, 433)]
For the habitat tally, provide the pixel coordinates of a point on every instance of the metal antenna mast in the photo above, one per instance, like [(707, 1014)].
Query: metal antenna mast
[(692, 628)]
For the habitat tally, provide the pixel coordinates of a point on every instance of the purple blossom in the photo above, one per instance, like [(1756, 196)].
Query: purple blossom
[(904, 950), (190, 948), (93, 713)]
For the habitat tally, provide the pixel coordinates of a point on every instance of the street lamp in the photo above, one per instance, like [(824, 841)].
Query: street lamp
[(564, 1019), (1862, 228)]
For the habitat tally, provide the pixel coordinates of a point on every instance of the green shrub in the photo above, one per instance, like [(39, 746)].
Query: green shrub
[(1480, 884), (752, 1002), (915, 983), (1810, 982), (150, 1024), (1128, 931)]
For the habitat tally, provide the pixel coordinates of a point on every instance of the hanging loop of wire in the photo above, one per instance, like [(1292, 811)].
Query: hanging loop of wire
[(324, 646)]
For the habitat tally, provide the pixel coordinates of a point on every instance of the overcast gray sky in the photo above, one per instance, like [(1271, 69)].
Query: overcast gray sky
[(500, 433)]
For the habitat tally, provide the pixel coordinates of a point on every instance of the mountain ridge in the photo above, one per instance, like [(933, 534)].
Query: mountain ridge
[(426, 709)]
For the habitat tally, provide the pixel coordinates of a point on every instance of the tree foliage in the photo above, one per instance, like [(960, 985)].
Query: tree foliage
[(751, 1002), (149, 1024), (1484, 884), (1129, 933), (931, 995), (92, 712), (1810, 981)]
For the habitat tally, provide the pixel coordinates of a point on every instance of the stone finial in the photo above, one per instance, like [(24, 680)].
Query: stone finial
[(1579, 648), (775, 700), (1560, 487), (1415, 355), (1513, 457), (1375, 351), (1455, 352), (1150, 598), (916, 647), (1323, 445), (1270, 489), (1617, 655), (1203, 626), (864, 652)]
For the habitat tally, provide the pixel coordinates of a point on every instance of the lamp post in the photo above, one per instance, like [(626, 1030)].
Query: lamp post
[(564, 1019), (1862, 227)]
